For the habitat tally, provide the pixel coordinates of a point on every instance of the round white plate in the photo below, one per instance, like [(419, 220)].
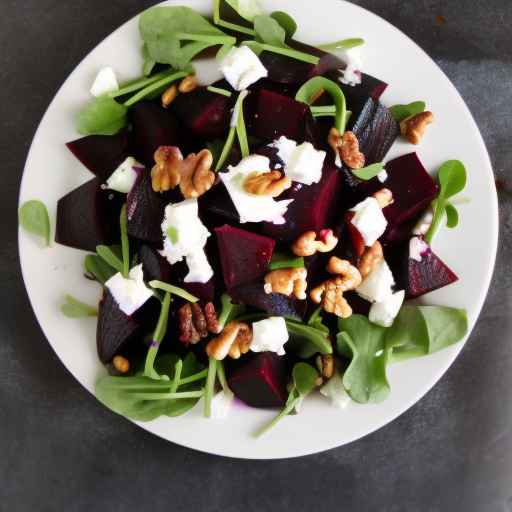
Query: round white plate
[(51, 171)]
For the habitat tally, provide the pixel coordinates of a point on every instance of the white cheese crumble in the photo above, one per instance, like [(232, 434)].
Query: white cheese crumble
[(270, 335), (417, 248), (352, 73), (124, 177), (221, 405), (129, 293), (384, 313), (242, 67), (250, 207), (336, 392), (378, 286), (303, 163), (382, 176), (369, 220), (424, 223), (185, 237), (105, 82)]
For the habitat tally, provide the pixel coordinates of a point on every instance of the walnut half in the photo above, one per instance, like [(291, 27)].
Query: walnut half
[(271, 183), (287, 281), (347, 147), (308, 245), (413, 128), (234, 340)]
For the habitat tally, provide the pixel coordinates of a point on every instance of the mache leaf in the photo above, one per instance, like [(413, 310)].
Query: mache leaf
[(73, 308), (98, 268), (369, 172), (269, 31), (103, 116), (401, 112), (452, 216), (286, 21), (247, 9), (33, 217)]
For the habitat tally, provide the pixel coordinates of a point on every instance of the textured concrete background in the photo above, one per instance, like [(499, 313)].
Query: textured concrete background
[(61, 450)]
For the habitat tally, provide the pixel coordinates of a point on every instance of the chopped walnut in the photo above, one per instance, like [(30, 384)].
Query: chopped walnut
[(347, 147), (287, 281), (271, 183), (121, 364), (169, 96), (413, 128), (371, 257), (308, 245), (193, 174), (325, 365), (234, 340), (384, 197), (196, 322), (351, 276), (188, 84)]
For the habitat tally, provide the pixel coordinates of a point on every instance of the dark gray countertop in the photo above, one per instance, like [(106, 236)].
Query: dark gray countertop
[(61, 450)]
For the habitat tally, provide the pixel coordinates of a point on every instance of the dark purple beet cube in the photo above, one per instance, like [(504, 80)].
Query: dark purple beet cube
[(115, 329), (145, 210), (275, 115), (88, 216), (260, 380), (244, 256), (205, 292), (152, 127), (101, 154), (315, 207), (155, 267)]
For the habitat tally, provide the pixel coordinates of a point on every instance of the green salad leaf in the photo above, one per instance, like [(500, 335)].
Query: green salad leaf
[(229, 311), (33, 217), (344, 44), (73, 308), (281, 260), (125, 243), (258, 47), (217, 19), (286, 21), (173, 290), (269, 31), (112, 255), (247, 9), (98, 268), (369, 172), (103, 116), (452, 180), (401, 112), (309, 339)]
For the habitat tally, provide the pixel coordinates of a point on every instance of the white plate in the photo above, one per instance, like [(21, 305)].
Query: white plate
[(51, 171)]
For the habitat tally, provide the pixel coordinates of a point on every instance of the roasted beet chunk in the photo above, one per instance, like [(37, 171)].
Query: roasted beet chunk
[(115, 329), (101, 154), (88, 216), (260, 380), (152, 127), (155, 267), (145, 210), (274, 115), (244, 256)]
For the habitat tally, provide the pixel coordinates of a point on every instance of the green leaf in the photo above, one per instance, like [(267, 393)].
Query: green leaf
[(258, 47), (125, 243), (172, 234), (304, 378), (226, 24), (139, 84), (452, 216), (73, 308), (446, 326), (401, 112), (269, 31), (241, 130), (247, 9), (369, 172), (286, 21), (281, 260), (110, 256), (307, 340), (365, 378), (149, 63), (173, 290), (344, 44), (312, 87), (103, 116), (166, 365), (97, 267), (223, 51), (452, 178), (33, 217), (317, 321), (229, 311)]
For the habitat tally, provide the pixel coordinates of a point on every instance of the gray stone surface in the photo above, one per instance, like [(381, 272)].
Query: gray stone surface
[(61, 450)]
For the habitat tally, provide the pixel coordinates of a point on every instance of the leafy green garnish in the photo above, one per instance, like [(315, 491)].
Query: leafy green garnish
[(269, 31), (452, 180), (369, 172), (241, 131), (148, 64), (226, 24), (258, 47), (103, 116), (247, 9), (281, 260), (73, 308), (125, 243), (173, 290), (311, 89), (139, 84), (229, 311), (172, 234), (401, 112), (286, 21), (158, 336), (98, 268), (110, 255), (33, 217), (344, 44), (309, 339), (304, 381), (219, 90), (210, 386), (163, 30)]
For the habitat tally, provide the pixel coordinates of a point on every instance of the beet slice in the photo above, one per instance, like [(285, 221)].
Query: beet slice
[(420, 277), (274, 304), (145, 209), (315, 207), (260, 380), (115, 329), (244, 256), (88, 216), (155, 267), (152, 127), (205, 292), (272, 115), (101, 154), (206, 114)]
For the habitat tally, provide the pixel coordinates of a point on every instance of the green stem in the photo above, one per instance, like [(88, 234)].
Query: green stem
[(218, 90), (242, 132), (290, 52), (222, 376), (226, 149), (125, 243), (203, 38), (439, 207), (154, 87), (194, 378), (232, 26), (108, 256), (344, 44), (271, 424), (326, 110), (174, 290), (177, 375), (158, 336), (210, 385), (167, 396), (140, 84)]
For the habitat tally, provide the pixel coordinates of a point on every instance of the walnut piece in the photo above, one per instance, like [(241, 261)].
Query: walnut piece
[(287, 281), (271, 183), (188, 84), (384, 197), (371, 257), (347, 147), (325, 365), (169, 96), (413, 128), (330, 293), (121, 364), (308, 245), (193, 174), (196, 322), (234, 340)]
